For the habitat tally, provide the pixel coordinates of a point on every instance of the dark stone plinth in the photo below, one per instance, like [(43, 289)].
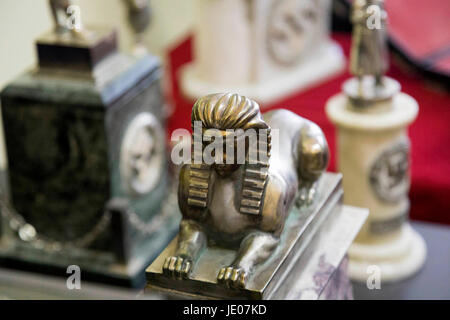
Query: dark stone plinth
[(64, 134), (63, 51)]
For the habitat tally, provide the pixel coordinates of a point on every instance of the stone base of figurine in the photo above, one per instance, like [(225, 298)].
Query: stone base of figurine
[(313, 246), (325, 63), (397, 259)]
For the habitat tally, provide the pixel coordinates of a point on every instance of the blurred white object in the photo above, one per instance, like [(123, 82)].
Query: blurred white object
[(373, 150), (372, 116), (263, 49)]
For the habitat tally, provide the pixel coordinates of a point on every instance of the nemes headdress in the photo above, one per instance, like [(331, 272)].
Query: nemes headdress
[(224, 111)]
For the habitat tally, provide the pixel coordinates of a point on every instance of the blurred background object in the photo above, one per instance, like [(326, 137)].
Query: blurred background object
[(372, 116), (86, 142), (264, 49), (139, 15), (418, 34)]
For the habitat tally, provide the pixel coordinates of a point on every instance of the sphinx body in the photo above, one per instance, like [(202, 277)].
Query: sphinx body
[(245, 206)]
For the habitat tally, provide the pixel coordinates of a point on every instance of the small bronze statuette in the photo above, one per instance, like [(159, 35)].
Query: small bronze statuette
[(139, 16), (245, 206), (369, 56)]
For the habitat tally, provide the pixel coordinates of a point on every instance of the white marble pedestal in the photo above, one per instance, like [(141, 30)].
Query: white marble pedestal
[(373, 156)]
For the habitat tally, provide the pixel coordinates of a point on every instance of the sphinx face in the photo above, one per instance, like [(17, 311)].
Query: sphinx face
[(227, 154), (223, 167), (225, 170)]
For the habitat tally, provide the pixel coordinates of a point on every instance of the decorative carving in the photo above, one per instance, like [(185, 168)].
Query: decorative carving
[(291, 28), (389, 175), (142, 154)]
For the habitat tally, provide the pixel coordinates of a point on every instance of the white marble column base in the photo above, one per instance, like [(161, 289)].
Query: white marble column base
[(326, 63), (397, 259)]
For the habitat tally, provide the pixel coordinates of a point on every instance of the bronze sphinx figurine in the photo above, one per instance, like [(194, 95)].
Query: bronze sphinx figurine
[(245, 206)]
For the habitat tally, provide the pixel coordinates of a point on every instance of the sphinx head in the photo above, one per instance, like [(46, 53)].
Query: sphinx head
[(228, 123)]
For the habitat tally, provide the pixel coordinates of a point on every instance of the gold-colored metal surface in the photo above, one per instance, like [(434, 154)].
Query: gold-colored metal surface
[(244, 207)]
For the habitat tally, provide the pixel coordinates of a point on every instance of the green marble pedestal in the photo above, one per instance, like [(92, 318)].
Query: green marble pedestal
[(84, 132)]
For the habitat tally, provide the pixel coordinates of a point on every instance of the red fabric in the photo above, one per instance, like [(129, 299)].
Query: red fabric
[(430, 134), (420, 28)]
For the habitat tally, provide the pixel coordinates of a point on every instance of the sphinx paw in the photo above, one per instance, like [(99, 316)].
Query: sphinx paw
[(177, 267), (232, 277)]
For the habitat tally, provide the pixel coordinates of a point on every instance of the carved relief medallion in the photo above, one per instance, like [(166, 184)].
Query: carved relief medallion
[(291, 28), (389, 175), (142, 154)]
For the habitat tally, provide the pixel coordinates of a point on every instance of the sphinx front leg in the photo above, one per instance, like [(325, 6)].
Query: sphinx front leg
[(256, 248), (313, 156), (191, 241)]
